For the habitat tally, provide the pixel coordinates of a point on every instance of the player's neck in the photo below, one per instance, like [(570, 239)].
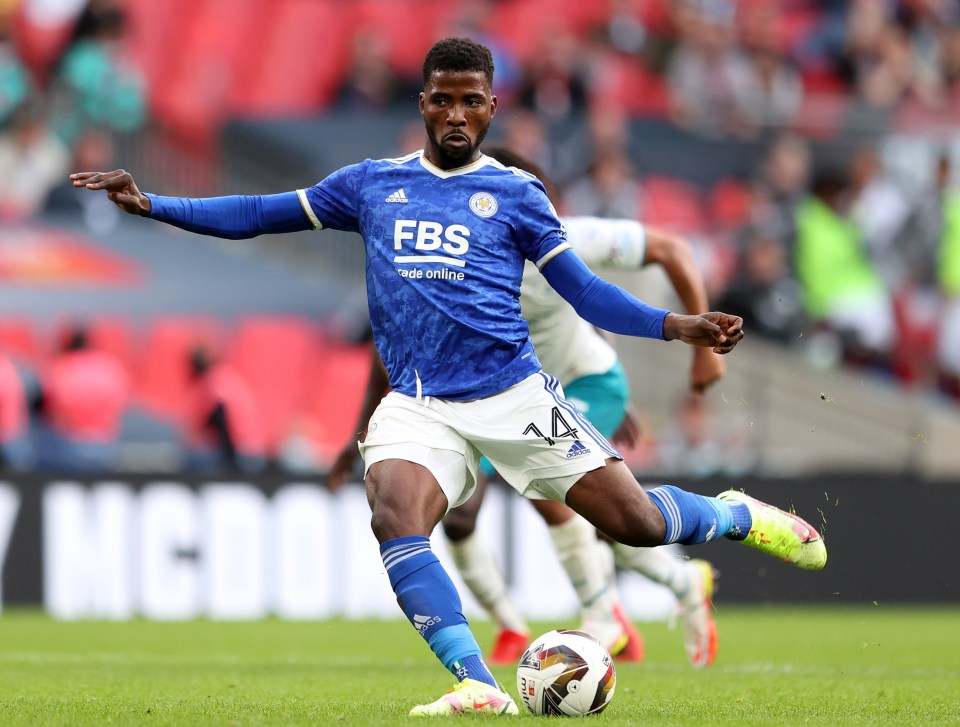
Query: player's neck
[(446, 163)]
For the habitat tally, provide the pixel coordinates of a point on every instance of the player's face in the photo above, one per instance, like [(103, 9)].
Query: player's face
[(457, 107)]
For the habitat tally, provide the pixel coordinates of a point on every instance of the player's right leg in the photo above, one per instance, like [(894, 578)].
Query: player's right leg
[(410, 486), (613, 500), (545, 448)]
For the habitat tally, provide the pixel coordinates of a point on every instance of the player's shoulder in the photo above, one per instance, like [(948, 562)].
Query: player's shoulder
[(392, 162), (398, 161), (511, 174)]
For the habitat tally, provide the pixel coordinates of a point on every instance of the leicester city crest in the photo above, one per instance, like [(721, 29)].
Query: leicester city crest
[(483, 204)]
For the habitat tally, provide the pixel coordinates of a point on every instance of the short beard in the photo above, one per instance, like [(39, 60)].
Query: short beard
[(459, 158)]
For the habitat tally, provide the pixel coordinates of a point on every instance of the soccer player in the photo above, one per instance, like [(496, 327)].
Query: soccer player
[(594, 380), (446, 233)]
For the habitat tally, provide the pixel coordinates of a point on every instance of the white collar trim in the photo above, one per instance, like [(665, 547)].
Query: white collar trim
[(444, 173)]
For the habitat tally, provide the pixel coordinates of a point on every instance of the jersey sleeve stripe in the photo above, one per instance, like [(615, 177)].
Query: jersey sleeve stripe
[(305, 203), (552, 254)]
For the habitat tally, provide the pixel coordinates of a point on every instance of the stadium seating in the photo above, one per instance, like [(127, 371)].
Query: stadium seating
[(303, 50), (334, 396), (162, 373), (672, 204), (274, 355), (18, 339), (728, 203)]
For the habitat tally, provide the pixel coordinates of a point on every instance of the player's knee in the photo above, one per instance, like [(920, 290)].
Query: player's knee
[(458, 525), (639, 531)]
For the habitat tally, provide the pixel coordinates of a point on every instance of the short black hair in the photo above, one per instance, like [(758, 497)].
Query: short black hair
[(458, 54), (510, 158)]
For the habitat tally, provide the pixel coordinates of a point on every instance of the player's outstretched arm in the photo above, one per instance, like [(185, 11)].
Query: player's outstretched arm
[(608, 306), (235, 217)]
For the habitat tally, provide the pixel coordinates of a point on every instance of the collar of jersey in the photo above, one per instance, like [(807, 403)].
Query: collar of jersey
[(444, 173)]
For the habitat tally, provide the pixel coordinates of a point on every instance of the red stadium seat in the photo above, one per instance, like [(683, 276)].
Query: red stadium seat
[(113, 334), (914, 358), (634, 89), (728, 203), (304, 49), (18, 338), (410, 27), (152, 29), (672, 204), (335, 396), (274, 355), (218, 42), (163, 369), (525, 25)]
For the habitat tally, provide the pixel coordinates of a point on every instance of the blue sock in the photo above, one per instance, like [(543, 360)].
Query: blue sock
[(431, 603), (691, 518), (742, 521)]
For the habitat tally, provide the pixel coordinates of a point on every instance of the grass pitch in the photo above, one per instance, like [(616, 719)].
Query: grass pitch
[(873, 665)]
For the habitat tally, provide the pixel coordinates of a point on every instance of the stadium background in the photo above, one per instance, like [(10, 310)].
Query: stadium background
[(614, 99)]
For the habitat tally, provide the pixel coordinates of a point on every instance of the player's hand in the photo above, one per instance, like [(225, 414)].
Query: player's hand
[(342, 468), (706, 368), (718, 331), (630, 431), (120, 189)]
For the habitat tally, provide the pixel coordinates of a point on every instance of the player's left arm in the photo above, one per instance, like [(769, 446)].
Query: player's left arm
[(610, 307), (674, 255), (543, 240)]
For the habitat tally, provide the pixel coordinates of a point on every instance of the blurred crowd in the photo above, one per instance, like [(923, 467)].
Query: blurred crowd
[(68, 415), (65, 90), (844, 238)]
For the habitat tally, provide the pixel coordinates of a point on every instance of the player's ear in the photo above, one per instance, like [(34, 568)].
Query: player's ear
[(493, 106), (422, 101)]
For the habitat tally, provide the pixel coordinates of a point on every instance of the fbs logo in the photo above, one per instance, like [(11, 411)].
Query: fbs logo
[(431, 236), (577, 449), (422, 623)]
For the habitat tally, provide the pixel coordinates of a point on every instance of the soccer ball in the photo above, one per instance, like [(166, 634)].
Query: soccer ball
[(567, 673)]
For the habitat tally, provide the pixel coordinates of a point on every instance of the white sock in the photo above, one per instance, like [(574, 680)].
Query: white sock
[(657, 564), (582, 558), (479, 570)]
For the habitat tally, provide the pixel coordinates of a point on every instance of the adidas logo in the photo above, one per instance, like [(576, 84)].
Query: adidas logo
[(422, 623), (711, 533), (576, 449), (398, 196)]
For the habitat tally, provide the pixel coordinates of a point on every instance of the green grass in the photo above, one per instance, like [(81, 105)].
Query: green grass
[(857, 666)]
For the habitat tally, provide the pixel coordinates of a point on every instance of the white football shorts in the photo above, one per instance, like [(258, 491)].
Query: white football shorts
[(537, 440)]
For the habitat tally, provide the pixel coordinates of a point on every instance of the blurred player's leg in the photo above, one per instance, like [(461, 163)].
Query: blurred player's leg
[(480, 572), (577, 547), (692, 582), (634, 649)]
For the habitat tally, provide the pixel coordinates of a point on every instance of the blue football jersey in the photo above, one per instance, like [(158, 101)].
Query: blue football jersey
[(444, 256)]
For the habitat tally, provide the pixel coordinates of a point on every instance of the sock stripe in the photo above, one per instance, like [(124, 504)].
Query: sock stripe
[(671, 513), (399, 553)]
